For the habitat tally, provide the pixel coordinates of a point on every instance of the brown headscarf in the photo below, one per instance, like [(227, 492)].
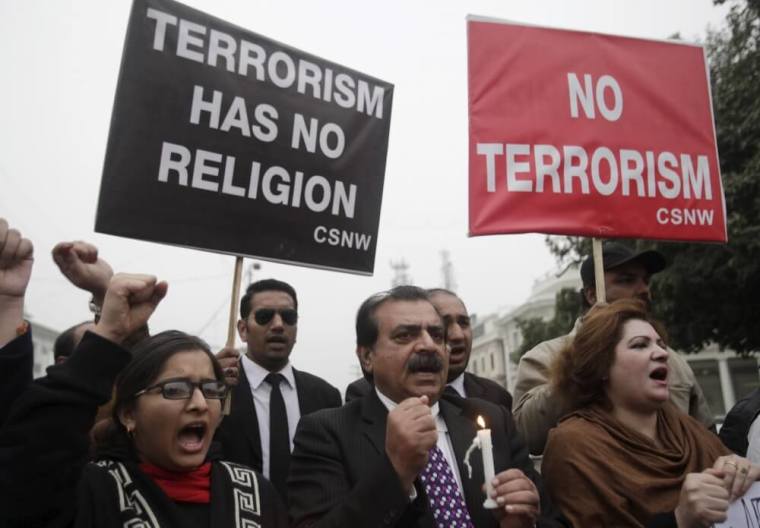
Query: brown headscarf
[(603, 473)]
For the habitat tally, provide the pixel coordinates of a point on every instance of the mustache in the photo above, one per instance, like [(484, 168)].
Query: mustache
[(424, 363)]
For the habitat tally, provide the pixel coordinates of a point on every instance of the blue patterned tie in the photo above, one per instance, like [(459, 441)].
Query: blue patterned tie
[(446, 502)]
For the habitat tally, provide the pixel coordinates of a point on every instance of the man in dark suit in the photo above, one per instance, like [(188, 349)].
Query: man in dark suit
[(459, 337), (270, 395), (395, 457)]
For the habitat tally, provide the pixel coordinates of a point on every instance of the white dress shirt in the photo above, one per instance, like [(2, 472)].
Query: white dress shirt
[(458, 385), (261, 390), (444, 442)]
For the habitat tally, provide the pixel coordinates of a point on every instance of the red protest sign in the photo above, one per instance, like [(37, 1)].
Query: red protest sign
[(578, 133)]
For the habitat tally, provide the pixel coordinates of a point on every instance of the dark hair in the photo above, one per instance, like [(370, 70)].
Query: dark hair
[(436, 291), (65, 344), (148, 359), (366, 324), (580, 372), (261, 286)]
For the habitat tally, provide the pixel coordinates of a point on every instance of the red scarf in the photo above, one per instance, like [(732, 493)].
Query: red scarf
[(189, 486)]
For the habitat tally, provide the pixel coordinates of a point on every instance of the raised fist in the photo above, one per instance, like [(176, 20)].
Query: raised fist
[(16, 258), (80, 264), (129, 302)]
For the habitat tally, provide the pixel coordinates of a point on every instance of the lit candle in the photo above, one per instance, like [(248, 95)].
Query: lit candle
[(486, 449)]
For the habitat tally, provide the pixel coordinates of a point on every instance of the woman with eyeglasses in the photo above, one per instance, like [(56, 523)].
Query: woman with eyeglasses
[(155, 466), (627, 456)]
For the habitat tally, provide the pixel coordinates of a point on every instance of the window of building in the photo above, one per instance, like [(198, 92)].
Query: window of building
[(493, 365), (744, 375), (708, 376)]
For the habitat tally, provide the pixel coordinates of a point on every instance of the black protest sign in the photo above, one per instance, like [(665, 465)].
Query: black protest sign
[(225, 140)]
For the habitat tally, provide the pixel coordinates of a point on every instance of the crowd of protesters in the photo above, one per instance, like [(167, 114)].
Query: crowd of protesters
[(130, 428)]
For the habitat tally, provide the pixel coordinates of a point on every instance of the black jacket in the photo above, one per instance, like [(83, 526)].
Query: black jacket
[(239, 433), (16, 368), (739, 419)]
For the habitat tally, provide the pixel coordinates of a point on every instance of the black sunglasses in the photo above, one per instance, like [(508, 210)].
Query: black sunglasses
[(262, 316), (183, 388)]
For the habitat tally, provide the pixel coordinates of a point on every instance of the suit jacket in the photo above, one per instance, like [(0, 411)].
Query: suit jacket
[(239, 432), (474, 387), (485, 389), (341, 476)]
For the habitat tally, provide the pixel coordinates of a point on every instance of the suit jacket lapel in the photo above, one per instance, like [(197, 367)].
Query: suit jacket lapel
[(306, 403), (374, 417), (472, 388), (462, 431), (245, 411)]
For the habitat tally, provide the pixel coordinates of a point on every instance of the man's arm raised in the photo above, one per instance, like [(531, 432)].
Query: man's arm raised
[(16, 259), (80, 264), (129, 302)]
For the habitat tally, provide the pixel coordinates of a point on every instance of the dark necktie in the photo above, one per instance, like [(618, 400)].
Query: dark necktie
[(279, 439), (451, 392), (446, 501)]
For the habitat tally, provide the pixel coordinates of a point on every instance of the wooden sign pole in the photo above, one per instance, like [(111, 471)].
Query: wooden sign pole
[(601, 293), (232, 328)]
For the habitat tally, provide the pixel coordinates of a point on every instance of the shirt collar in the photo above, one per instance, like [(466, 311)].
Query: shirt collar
[(390, 404), (458, 385), (256, 373)]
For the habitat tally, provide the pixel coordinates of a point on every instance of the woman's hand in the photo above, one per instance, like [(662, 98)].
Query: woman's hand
[(704, 500), (738, 474)]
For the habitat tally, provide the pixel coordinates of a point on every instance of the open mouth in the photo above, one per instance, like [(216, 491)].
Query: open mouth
[(457, 351), (659, 374), (191, 436)]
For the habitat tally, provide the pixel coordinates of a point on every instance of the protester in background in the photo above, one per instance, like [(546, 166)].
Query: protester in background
[(625, 455), (271, 395), (456, 320), (626, 276), (68, 340), (740, 431), (80, 262), (155, 470), (16, 357)]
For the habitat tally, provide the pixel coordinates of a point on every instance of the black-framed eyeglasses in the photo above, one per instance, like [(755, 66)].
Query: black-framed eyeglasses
[(263, 316), (183, 388)]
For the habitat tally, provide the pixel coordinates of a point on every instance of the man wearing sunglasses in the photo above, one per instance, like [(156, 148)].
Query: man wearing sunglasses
[(270, 395)]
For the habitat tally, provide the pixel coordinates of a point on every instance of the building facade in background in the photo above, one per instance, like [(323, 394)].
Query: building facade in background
[(724, 377), (43, 339)]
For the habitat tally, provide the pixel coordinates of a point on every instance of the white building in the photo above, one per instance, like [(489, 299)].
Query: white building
[(723, 376), (43, 339)]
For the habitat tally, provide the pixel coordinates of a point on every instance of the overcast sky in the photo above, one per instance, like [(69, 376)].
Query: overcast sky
[(60, 62)]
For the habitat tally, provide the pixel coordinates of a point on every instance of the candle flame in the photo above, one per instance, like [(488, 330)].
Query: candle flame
[(481, 422)]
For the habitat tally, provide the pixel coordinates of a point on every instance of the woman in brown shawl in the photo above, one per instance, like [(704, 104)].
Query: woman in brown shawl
[(626, 456)]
